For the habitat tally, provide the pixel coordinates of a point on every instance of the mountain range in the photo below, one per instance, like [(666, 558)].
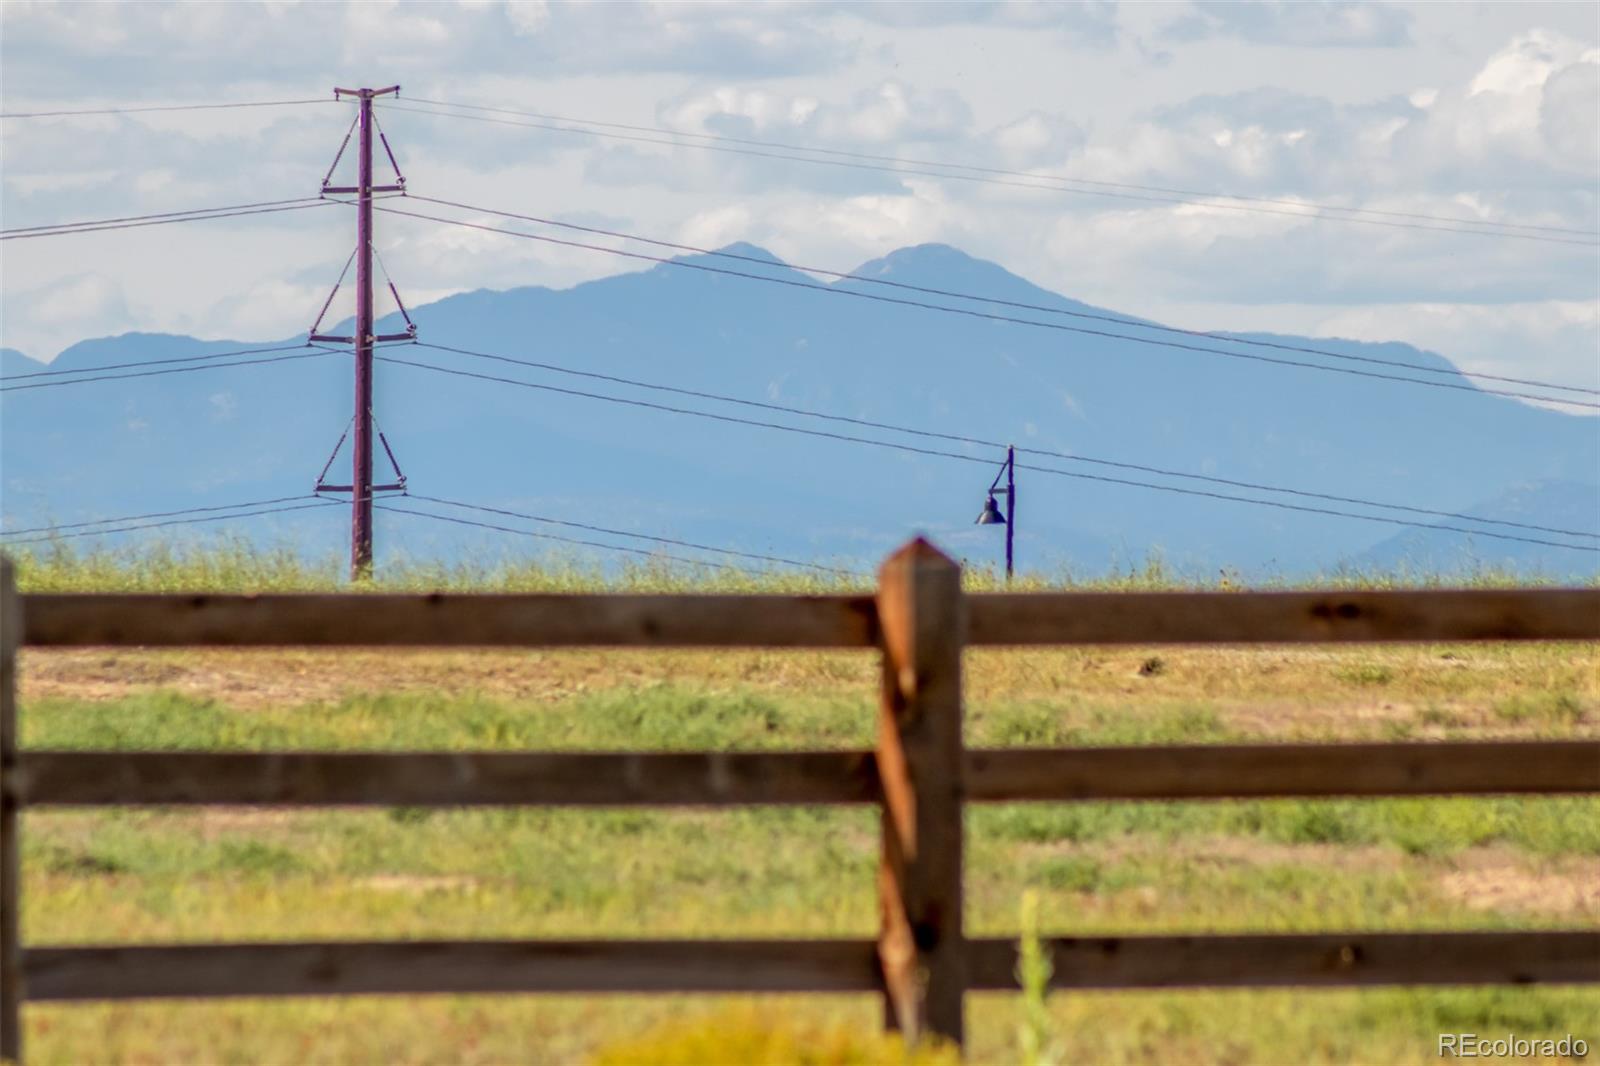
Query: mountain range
[(1134, 405)]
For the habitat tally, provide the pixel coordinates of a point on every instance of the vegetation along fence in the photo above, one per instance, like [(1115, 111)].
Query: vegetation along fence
[(920, 775)]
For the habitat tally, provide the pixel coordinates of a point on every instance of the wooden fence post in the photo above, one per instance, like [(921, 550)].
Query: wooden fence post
[(921, 945), (10, 944)]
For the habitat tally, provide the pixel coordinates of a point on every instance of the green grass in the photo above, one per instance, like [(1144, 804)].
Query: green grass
[(665, 718), (163, 875), (223, 564), (175, 875), (1390, 1026)]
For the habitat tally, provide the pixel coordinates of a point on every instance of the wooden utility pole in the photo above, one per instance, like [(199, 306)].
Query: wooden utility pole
[(361, 487)]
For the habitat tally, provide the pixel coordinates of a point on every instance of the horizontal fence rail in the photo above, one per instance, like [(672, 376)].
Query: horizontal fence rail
[(1053, 618), (1240, 771), (1304, 959), (69, 778), (1426, 615), (767, 966), (449, 620), (920, 775), (798, 778), (594, 966)]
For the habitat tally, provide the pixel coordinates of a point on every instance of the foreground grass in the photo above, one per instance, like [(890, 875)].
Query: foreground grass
[(236, 874), (1203, 1028), (241, 874)]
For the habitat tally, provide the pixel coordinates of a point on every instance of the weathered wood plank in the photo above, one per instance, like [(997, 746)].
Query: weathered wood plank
[(352, 968), (1282, 617), (457, 620), (921, 947), (591, 966), (11, 977), (67, 620), (1257, 770), (73, 778), (420, 779), (1301, 959)]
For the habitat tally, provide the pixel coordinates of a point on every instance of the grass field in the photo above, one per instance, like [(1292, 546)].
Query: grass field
[(145, 876)]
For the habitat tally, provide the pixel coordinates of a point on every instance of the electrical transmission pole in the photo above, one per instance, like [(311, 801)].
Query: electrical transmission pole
[(361, 487)]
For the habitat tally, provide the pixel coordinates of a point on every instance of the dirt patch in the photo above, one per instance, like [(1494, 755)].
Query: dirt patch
[(1571, 891), (1283, 720), (213, 822), (1227, 851), (1270, 693), (251, 680)]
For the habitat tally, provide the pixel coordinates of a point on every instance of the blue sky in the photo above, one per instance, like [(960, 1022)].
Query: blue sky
[(1473, 110)]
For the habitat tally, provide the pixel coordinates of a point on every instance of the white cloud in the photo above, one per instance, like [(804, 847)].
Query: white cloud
[(184, 47), (1520, 120), (1523, 65), (528, 16), (717, 227), (1548, 339), (1077, 22), (878, 224), (87, 297), (1036, 139), (63, 311), (1569, 114), (1297, 23), (271, 309), (887, 114), (1498, 127)]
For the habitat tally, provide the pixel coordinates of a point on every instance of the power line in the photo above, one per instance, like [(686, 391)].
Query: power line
[(552, 536), (1115, 319), (157, 514), (1062, 182), (985, 315), (174, 522), (975, 459), (67, 228), (1012, 173), (171, 107), (160, 362), (980, 179), (150, 362), (640, 536), (318, 353), (961, 439), (164, 214)]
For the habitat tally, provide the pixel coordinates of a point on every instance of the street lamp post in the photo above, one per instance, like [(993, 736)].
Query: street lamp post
[(991, 515)]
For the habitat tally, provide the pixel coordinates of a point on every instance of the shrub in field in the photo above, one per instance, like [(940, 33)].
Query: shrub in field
[(752, 1037), (1035, 1036)]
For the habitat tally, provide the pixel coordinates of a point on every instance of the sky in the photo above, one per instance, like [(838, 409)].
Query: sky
[(1482, 111)]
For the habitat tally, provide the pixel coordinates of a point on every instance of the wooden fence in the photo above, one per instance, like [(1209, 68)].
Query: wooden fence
[(920, 774)]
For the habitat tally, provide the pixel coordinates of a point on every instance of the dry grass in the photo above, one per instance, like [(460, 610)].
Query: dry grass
[(1265, 688), (243, 874)]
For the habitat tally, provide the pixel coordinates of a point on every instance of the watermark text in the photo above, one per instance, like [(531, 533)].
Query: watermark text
[(1473, 1046)]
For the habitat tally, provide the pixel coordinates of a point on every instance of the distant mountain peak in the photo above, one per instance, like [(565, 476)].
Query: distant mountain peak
[(740, 249), (921, 257), (942, 266), (14, 362), (750, 251)]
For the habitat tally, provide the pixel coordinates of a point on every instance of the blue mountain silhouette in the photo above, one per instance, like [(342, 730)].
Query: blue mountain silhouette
[(163, 442)]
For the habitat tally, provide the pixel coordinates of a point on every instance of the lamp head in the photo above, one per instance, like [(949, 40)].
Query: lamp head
[(991, 515)]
